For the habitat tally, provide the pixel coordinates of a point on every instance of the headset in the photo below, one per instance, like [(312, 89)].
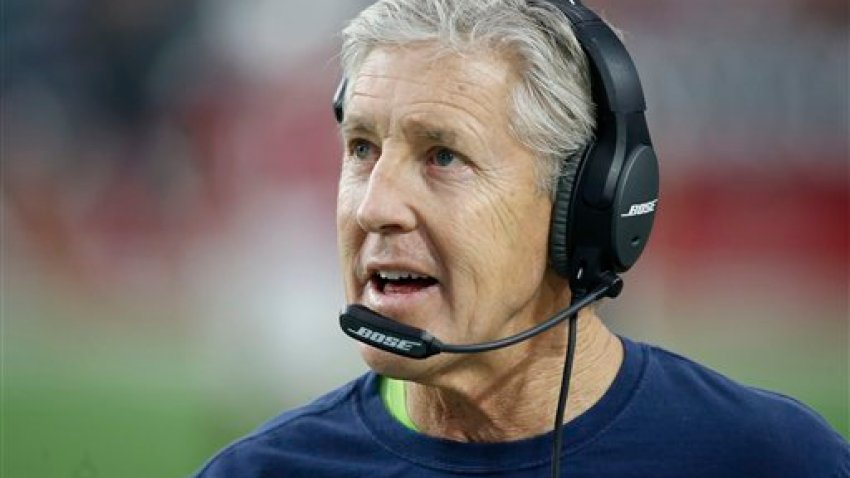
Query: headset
[(603, 209), (604, 204)]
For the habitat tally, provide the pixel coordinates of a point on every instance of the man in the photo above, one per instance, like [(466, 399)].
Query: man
[(457, 116)]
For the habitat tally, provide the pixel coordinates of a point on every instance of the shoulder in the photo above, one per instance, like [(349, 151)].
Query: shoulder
[(292, 438), (765, 432)]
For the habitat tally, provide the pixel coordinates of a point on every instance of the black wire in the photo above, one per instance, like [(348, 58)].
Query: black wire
[(562, 396), (556, 319)]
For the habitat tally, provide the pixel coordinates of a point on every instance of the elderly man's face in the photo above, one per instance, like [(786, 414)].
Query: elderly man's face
[(441, 223)]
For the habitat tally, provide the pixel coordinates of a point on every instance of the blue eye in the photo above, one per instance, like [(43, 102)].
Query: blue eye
[(444, 157), (361, 149)]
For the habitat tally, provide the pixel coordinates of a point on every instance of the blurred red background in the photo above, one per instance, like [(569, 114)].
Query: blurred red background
[(169, 174)]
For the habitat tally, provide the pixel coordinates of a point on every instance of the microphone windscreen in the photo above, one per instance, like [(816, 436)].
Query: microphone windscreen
[(367, 326)]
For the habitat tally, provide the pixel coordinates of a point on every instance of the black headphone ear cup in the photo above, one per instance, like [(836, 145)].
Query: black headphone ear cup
[(559, 228)]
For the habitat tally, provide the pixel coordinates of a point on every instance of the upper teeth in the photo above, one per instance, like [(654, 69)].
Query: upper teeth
[(396, 275)]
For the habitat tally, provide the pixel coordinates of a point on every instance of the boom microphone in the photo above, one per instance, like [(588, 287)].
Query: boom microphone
[(367, 326)]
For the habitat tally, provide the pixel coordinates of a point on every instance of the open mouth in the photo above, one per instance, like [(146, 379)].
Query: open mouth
[(401, 282)]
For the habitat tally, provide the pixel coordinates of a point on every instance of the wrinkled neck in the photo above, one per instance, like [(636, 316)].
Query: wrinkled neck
[(519, 399)]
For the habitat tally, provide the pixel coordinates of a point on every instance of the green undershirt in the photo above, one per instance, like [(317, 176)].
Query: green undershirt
[(393, 396)]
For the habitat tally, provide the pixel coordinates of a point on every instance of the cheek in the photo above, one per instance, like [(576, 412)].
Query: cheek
[(462, 238), (349, 196), (531, 246), (349, 234), (505, 237)]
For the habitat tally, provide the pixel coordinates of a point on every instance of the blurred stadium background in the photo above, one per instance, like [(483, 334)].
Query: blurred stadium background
[(168, 192)]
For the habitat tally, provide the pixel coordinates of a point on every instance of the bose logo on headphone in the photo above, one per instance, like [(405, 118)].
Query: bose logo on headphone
[(641, 209), (383, 339)]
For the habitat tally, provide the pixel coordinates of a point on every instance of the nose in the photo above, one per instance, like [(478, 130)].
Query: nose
[(386, 207)]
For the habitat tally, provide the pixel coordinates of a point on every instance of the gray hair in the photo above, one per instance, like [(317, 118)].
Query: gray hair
[(551, 113)]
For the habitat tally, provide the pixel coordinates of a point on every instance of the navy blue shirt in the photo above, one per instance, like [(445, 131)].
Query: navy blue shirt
[(664, 416)]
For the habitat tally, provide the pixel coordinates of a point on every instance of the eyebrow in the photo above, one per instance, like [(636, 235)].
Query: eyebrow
[(357, 124), (431, 133), (413, 128), (427, 131)]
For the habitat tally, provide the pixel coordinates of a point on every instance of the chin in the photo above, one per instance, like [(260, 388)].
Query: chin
[(395, 366)]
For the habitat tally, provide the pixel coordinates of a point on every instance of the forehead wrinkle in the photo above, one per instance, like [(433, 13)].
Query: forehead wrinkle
[(450, 88), (476, 84), (356, 93), (389, 77), (469, 120), (486, 105), (481, 99)]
